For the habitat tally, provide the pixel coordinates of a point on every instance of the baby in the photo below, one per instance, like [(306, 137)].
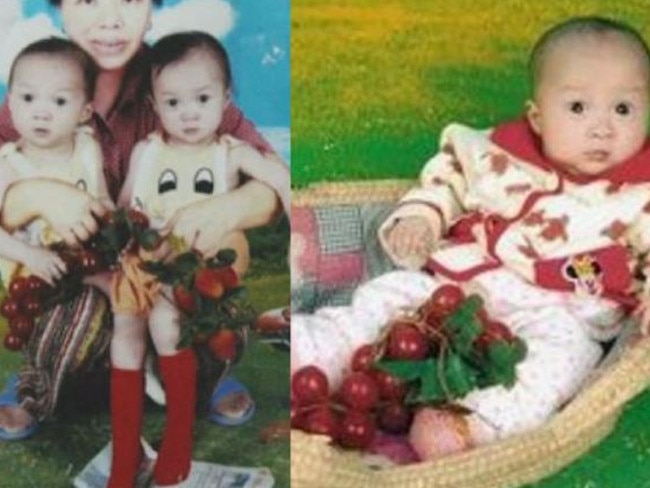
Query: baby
[(51, 84), (548, 218), (185, 162)]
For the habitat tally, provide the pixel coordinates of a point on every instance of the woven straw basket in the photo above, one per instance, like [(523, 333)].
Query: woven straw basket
[(521, 459)]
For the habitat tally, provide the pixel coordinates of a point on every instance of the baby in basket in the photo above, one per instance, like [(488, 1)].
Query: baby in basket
[(546, 217)]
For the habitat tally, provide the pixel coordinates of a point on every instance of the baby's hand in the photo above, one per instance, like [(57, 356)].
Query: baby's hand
[(45, 264), (412, 239)]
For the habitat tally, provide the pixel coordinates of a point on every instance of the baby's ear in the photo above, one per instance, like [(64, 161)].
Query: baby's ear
[(86, 113), (532, 114)]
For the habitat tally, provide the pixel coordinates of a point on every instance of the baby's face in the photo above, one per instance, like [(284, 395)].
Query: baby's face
[(47, 100), (591, 104), (190, 97)]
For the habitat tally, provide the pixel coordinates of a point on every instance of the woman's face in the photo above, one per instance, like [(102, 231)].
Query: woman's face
[(110, 31)]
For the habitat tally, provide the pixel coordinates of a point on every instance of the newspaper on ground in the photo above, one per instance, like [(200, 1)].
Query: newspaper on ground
[(202, 475)]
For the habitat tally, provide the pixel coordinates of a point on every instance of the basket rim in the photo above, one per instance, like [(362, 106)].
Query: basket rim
[(518, 459), (351, 192)]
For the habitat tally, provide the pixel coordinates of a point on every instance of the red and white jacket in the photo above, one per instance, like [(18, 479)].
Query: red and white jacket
[(502, 203)]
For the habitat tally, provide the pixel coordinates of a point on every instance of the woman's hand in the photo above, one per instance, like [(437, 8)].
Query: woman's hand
[(199, 226), (45, 264), (204, 224), (76, 220), (70, 212)]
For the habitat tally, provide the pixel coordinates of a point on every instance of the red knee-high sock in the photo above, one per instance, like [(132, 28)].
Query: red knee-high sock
[(127, 392), (179, 378)]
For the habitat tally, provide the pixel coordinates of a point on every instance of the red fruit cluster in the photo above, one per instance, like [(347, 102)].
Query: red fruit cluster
[(368, 399), (90, 262), (184, 299), (224, 344), (137, 218), (493, 331), (23, 303), (207, 282), (83, 261), (213, 282), (26, 295), (209, 296), (445, 300), (426, 334), (406, 341)]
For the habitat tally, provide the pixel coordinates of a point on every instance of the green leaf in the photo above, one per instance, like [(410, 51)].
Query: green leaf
[(460, 378), (464, 326), (117, 235), (226, 257), (502, 359), (432, 388), (234, 293), (405, 370), (162, 271), (187, 337), (148, 239), (186, 262)]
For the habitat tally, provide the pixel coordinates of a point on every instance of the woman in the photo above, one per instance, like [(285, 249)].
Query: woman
[(112, 33)]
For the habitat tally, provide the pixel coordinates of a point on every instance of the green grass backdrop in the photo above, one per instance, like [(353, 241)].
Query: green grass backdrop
[(373, 84)]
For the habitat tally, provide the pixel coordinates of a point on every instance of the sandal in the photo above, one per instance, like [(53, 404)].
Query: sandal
[(227, 387), (9, 398)]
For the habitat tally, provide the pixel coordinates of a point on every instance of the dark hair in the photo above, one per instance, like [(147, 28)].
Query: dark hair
[(57, 3), (174, 47), (590, 25), (56, 46)]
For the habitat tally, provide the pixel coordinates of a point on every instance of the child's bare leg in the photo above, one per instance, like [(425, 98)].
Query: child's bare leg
[(178, 370), (238, 242), (127, 391), (128, 344)]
